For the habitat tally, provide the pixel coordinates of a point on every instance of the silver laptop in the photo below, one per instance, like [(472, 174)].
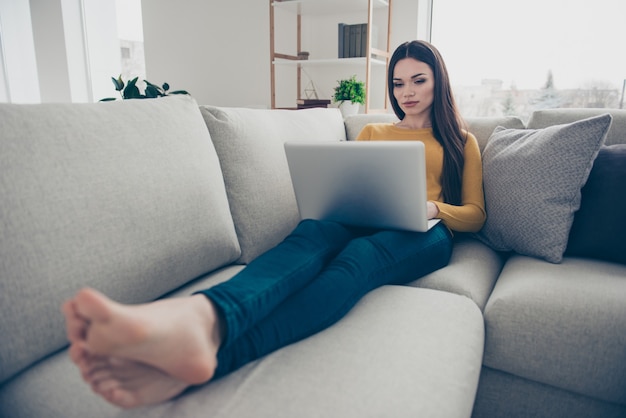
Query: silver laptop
[(379, 184)]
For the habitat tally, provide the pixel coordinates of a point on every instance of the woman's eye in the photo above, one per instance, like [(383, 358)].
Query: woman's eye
[(397, 85), (420, 81)]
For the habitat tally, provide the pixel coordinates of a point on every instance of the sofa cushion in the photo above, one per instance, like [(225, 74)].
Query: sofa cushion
[(472, 271), (356, 123), (561, 325), (250, 145), (599, 225), (532, 180), (126, 197), (483, 127), (53, 388), (420, 359), (505, 395), (540, 119)]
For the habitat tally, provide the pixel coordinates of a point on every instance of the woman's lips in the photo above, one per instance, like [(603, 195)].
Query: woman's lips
[(409, 104)]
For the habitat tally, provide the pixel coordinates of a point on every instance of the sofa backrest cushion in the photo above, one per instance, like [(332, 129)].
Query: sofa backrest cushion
[(481, 127), (548, 117), (355, 123), (126, 197), (599, 225), (250, 145)]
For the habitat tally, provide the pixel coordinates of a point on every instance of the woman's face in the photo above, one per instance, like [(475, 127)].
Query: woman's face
[(413, 86)]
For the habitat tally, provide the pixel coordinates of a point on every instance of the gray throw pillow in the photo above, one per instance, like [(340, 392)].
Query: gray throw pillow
[(532, 180), (250, 146)]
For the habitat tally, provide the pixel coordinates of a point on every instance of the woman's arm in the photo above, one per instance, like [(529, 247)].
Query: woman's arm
[(470, 215)]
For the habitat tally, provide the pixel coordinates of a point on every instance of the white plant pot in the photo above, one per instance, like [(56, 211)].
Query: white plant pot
[(348, 109)]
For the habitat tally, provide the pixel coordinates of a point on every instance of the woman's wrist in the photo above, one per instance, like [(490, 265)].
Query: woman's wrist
[(432, 209)]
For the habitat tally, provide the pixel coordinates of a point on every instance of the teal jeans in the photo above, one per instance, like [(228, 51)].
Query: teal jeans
[(312, 279)]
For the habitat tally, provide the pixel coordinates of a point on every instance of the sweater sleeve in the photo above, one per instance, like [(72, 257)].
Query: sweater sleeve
[(365, 134), (470, 215)]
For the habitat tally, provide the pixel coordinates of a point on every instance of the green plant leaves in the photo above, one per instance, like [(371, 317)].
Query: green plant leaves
[(118, 82), (130, 90), (351, 90)]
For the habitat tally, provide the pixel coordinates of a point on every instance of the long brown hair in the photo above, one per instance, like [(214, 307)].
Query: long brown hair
[(445, 118)]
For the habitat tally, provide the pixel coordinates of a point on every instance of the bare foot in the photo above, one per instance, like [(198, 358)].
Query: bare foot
[(75, 325), (179, 336), (130, 384)]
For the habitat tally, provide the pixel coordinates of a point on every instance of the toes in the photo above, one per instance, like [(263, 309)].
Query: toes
[(93, 305), (123, 399), (77, 353), (75, 326)]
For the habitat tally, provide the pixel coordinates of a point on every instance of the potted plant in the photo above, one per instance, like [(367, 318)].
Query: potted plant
[(349, 93)]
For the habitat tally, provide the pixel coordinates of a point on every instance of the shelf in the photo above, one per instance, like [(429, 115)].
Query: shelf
[(342, 61), (324, 62), (326, 7)]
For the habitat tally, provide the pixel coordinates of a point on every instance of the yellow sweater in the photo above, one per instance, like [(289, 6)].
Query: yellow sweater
[(470, 215)]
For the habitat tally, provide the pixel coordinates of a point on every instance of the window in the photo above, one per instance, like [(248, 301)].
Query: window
[(130, 32), (4, 83), (68, 50), (510, 58)]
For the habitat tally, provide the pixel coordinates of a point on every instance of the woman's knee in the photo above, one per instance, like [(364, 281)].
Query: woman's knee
[(313, 228), (441, 245)]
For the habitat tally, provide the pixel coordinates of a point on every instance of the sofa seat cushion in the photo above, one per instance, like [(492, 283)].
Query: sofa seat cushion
[(472, 271), (401, 352), (250, 145), (127, 197), (52, 388), (505, 395), (562, 325)]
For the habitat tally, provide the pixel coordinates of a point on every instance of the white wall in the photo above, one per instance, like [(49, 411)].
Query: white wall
[(218, 51)]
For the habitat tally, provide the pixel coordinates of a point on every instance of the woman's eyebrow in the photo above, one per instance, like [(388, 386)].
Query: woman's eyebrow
[(412, 77)]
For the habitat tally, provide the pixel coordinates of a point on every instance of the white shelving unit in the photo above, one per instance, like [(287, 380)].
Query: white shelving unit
[(376, 59)]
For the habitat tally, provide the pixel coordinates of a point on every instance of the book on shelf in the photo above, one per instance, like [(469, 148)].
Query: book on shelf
[(309, 103), (355, 41), (352, 40), (312, 101), (340, 50)]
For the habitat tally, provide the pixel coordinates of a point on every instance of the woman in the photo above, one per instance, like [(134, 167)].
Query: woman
[(135, 355)]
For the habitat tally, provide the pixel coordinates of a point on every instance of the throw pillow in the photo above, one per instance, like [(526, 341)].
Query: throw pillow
[(599, 225), (250, 146), (532, 180)]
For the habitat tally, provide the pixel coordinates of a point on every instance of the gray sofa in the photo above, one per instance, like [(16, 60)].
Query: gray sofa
[(141, 201)]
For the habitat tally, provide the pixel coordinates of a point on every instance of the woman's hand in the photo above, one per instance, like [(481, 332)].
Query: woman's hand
[(431, 210)]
